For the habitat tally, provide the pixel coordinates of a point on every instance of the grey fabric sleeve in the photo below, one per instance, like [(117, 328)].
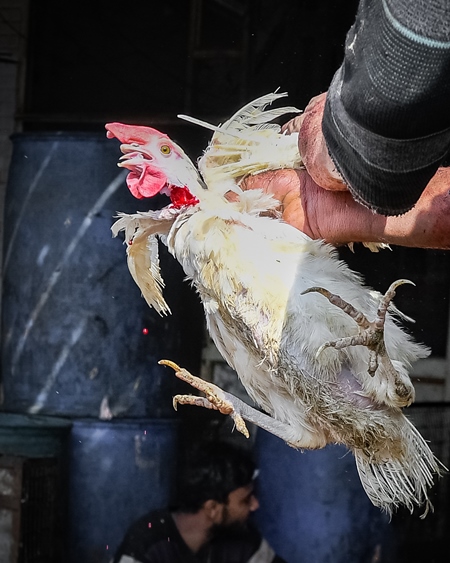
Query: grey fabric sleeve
[(387, 117)]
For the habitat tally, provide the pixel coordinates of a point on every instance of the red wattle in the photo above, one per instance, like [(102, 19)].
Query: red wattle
[(181, 197), (146, 182)]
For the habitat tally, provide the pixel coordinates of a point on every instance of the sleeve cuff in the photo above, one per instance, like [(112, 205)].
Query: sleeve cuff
[(386, 175)]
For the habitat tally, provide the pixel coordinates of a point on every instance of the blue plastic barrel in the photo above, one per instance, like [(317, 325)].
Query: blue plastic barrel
[(76, 333), (118, 472), (313, 507)]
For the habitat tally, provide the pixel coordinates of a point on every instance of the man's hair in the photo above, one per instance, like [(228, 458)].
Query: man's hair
[(211, 472)]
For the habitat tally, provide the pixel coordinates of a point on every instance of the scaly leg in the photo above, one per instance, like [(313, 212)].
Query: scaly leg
[(371, 336), (215, 398), (228, 404)]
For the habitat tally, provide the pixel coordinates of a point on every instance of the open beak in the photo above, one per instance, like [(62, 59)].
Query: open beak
[(144, 179)]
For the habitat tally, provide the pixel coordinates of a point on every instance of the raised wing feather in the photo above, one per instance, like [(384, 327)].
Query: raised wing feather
[(141, 232), (255, 113), (248, 143)]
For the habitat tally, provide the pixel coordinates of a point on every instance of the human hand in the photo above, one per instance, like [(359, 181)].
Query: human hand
[(332, 214), (312, 146), (337, 218), (307, 206)]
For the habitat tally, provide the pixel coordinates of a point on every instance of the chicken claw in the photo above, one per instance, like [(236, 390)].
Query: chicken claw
[(215, 399), (399, 391), (372, 335)]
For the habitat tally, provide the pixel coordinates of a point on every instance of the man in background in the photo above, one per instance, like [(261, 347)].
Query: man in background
[(209, 523)]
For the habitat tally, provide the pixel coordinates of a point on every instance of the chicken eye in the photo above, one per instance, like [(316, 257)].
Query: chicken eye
[(165, 149)]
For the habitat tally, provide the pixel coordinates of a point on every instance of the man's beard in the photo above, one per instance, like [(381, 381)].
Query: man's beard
[(228, 530)]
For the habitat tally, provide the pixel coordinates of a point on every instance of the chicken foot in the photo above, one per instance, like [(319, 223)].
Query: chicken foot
[(371, 336), (228, 404)]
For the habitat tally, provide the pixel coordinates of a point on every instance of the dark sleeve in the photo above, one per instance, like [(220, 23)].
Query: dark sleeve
[(387, 116), (134, 545), (152, 538)]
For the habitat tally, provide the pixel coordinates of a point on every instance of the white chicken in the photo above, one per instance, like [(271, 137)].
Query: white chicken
[(301, 352)]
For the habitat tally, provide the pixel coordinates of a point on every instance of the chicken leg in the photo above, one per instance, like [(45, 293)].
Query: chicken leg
[(371, 336), (228, 404)]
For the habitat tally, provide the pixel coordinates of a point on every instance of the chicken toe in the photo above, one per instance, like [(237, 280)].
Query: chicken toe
[(216, 398), (371, 335)]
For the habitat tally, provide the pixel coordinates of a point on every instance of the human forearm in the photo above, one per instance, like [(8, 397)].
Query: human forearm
[(339, 219)]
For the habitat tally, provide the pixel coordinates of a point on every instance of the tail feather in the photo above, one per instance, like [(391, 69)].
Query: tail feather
[(404, 481)]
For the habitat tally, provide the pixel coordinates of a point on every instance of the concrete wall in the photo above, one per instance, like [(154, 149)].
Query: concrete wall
[(13, 33)]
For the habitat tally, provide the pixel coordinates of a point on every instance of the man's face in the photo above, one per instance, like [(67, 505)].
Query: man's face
[(240, 503)]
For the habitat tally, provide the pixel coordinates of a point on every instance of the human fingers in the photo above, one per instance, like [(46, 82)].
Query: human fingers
[(313, 148), (293, 125)]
